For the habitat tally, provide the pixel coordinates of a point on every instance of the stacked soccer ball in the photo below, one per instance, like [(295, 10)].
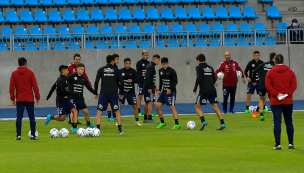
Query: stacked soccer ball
[(89, 132), (29, 134)]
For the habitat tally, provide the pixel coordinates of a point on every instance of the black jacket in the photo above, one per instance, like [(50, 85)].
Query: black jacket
[(295, 35), (51, 91), (141, 67), (150, 76), (128, 87), (76, 84), (167, 79), (205, 78), (251, 66), (62, 91), (262, 70)]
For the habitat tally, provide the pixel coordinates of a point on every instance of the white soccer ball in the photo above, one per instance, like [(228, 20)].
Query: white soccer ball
[(239, 74), (255, 108), (96, 132), (89, 132), (81, 132), (220, 75), (191, 125), (64, 133), (266, 108), (29, 134), (251, 109), (54, 133)]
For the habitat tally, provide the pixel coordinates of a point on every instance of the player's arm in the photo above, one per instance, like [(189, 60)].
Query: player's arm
[(120, 80), (198, 78), (139, 73), (213, 75), (86, 76), (174, 80), (51, 91), (247, 69), (69, 78), (135, 77), (269, 87), (89, 87), (160, 81), (293, 85), (35, 88), (12, 87), (149, 75), (98, 76), (240, 69)]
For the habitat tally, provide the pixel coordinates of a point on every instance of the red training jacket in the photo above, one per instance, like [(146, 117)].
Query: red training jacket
[(73, 69), (229, 69), (280, 79), (23, 81)]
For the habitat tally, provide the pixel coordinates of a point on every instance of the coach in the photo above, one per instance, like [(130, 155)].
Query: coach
[(281, 83)]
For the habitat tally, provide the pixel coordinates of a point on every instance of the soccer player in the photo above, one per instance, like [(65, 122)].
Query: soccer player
[(252, 78), (141, 67), (281, 83), (205, 78), (229, 68), (111, 79), (150, 89), (76, 83), (63, 103), (262, 70), (129, 76), (167, 92), (22, 84)]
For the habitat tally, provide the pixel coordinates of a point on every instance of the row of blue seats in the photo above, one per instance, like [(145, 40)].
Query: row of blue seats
[(125, 14), (102, 2)]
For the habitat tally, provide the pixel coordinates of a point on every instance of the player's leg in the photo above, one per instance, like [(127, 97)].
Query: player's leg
[(160, 102), (219, 115), (87, 117), (30, 108), (20, 110), (225, 98), (114, 102), (287, 113), (201, 100), (232, 92), (277, 120), (131, 98), (170, 100), (250, 91), (109, 113), (150, 108), (139, 98), (135, 110), (73, 115), (101, 106)]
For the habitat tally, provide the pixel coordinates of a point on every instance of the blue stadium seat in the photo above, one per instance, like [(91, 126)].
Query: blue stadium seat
[(172, 42), (167, 14), (40, 16), (208, 13), (5, 2), (135, 28), (73, 45), (11, 16), (152, 14), (282, 25), (50, 3), (177, 28), (64, 30), (187, 1), (218, 27), (36, 30), (89, 44), (235, 13), (270, 41), (3, 47), (184, 43), (74, 2), (214, 42), (265, 1), (258, 41), (204, 27), (118, 1), (78, 29), (107, 29), (121, 29), (130, 43), (114, 44), (144, 43), (132, 2), (111, 14), (102, 44), (59, 45), (93, 29), (241, 0), (17, 46), (273, 12), (232, 27), (221, 13), (160, 1), (149, 28), (124, 14), (83, 15), (69, 16), (18, 3), (43, 45), (160, 43), (228, 0), (200, 42), (180, 13), (50, 30), (2, 18), (191, 27), (194, 13), (32, 2), (174, 1), (103, 2), (88, 2), (22, 31), (97, 15), (242, 41), (146, 1), (59, 2), (139, 14), (248, 12), (30, 45), (229, 41), (6, 31), (245, 26), (163, 28), (215, 1), (55, 16), (26, 16), (260, 26)]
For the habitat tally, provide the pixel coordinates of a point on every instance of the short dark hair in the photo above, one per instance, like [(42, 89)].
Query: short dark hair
[(201, 57), (77, 55), (22, 61), (256, 52), (156, 56), (110, 58), (279, 59), (294, 20), (164, 60), (62, 67), (115, 55), (272, 55), (127, 59), (80, 65)]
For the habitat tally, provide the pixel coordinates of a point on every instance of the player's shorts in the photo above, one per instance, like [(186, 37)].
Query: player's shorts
[(140, 88), (251, 88), (262, 90), (131, 98), (168, 99), (149, 97), (105, 99), (64, 108), (79, 103), (202, 99)]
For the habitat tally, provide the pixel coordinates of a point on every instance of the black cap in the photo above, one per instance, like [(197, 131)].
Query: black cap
[(63, 67), (295, 20)]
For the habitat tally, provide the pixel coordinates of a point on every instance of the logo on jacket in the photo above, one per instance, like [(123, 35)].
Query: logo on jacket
[(123, 74), (74, 70), (253, 65), (161, 73), (143, 65), (233, 64), (75, 78)]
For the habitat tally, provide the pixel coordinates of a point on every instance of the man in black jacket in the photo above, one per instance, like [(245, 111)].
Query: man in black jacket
[(295, 35), (206, 80)]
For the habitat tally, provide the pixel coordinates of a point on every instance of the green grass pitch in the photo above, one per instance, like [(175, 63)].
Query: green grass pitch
[(244, 146)]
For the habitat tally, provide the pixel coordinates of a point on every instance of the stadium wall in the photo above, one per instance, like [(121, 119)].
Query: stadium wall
[(45, 66)]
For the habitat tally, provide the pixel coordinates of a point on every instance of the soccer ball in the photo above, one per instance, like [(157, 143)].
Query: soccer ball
[(81, 132), (239, 74), (255, 108), (251, 109), (191, 125), (220, 75), (54, 133), (96, 132), (64, 133), (29, 134), (266, 108), (89, 132)]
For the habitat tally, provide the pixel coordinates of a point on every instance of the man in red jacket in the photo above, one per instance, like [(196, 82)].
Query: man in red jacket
[(229, 67), (73, 67), (281, 83), (23, 82)]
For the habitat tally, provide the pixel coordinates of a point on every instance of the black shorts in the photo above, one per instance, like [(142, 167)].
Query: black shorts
[(202, 99), (105, 99), (262, 90), (79, 103), (64, 108), (251, 88), (131, 98)]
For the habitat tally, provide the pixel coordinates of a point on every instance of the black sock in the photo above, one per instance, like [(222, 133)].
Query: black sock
[(149, 117), (52, 117), (109, 114), (136, 119), (247, 107), (176, 122), (139, 110), (74, 125), (264, 107), (145, 117), (258, 108), (262, 114), (114, 115), (119, 128), (88, 123), (202, 119), (162, 120), (222, 121), (278, 144), (98, 126)]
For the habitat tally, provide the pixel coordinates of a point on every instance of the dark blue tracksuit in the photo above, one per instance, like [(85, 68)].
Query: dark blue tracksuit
[(30, 108)]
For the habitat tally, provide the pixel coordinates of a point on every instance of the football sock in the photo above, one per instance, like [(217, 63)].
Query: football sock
[(52, 117), (149, 117), (247, 107), (202, 119), (262, 114), (139, 110), (98, 126), (114, 115), (264, 107), (162, 120), (136, 119), (222, 121), (119, 128), (258, 108), (145, 116), (176, 122), (88, 122), (74, 125), (109, 114)]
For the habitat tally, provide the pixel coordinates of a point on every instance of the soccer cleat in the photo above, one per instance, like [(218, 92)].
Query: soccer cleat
[(231, 112), (225, 112), (176, 126), (203, 125), (262, 118), (277, 147), (138, 123), (146, 121), (222, 127), (153, 115), (74, 130), (255, 114), (152, 121), (266, 111), (247, 111), (161, 125), (114, 118), (48, 119), (110, 119), (34, 137), (121, 133), (18, 138), (140, 115), (291, 146), (91, 125)]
